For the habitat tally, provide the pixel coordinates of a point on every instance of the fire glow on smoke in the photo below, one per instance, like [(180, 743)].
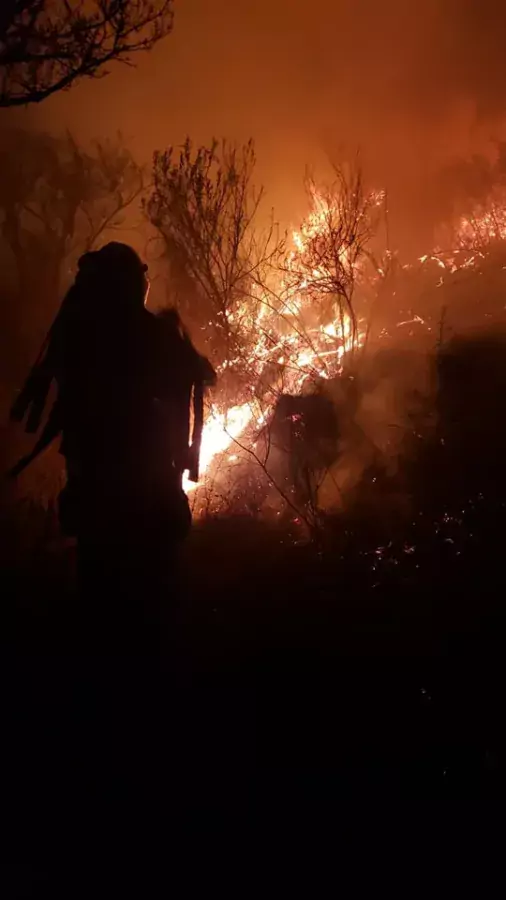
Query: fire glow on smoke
[(291, 341)]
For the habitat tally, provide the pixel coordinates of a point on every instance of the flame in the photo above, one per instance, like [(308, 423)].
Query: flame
[(220, 430), (284, 336), (484, 225), (281, 336)]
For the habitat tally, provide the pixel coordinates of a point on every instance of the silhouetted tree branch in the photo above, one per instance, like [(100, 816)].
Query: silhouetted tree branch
[(204, 207), (47, 45), (56, 201)]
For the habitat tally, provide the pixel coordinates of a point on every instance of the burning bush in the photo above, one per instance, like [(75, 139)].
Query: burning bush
[(277, 315)]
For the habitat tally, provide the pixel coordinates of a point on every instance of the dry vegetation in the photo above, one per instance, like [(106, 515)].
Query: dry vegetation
[(333, 393)]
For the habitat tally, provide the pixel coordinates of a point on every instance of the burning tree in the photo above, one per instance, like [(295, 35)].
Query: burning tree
[(47, 45), (315, 295), (278, 318), (330, 247)]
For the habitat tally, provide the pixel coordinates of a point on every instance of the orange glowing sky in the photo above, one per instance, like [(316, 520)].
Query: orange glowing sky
[(409, 84)]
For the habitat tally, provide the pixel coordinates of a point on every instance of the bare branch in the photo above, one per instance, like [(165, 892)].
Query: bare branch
[(204, 206), (58, 199), (47, 45)]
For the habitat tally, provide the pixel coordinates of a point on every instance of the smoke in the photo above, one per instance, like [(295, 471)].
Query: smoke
[(413, 87), (410, 86)]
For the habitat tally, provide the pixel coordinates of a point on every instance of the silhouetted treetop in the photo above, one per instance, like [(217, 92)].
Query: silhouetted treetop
[(47, 45)]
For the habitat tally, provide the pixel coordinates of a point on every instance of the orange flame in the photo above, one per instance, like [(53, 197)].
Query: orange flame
[(283, 337), (280, 337)]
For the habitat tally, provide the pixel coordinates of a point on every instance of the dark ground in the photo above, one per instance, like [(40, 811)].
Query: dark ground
[(329, 717), (336, 716)]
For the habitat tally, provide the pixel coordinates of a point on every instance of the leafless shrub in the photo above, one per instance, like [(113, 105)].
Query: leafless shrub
[(204, 206)]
